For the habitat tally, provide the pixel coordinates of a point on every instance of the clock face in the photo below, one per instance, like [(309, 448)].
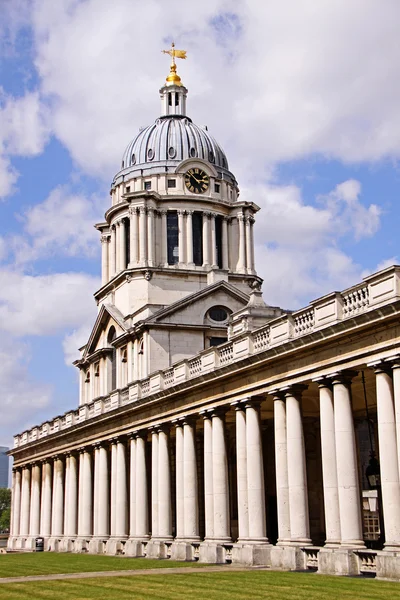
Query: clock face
[(197, 181)]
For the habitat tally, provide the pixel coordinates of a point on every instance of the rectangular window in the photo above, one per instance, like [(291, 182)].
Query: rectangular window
[(172, 183), (217, 188), (197, 226), (216, 341), (127, 189), (172, 237), (147, 185), (127, 225), (218, 239)]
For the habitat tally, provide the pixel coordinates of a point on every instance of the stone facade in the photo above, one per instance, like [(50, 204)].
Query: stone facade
[(211, 426)]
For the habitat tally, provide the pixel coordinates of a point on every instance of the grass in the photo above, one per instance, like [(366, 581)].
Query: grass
[(47, 563), (206, 586)]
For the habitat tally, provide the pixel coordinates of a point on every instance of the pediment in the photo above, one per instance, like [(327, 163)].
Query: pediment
[(191, 310), (108, 316)]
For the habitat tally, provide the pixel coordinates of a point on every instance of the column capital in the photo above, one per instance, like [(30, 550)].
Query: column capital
[(381, 366), (238, 405), (189, 212), (296, 390), (206, 214), (206, 414), (142, 210), (240, 217), (177, 422), (344, 377), (190, 420), (163, 212), (104, 239), (180, 212), (219, 411), (132, 210), (140, 434), (323, 382), (253, 401)]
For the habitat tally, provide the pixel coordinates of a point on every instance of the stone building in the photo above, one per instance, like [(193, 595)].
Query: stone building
[(211, 426)]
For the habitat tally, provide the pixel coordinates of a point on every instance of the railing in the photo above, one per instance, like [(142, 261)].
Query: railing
[(377, 290), (355, 301), (366, 561)]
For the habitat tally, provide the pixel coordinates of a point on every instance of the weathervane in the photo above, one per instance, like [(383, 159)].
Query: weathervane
[(173, 78)]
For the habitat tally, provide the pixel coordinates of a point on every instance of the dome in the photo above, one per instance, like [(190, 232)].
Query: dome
[(169, 141)]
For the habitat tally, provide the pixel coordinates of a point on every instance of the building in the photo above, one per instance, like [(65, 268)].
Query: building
[(4, 460), (211, 425)]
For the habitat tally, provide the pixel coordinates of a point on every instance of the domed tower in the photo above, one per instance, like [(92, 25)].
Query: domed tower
[(177, 250)]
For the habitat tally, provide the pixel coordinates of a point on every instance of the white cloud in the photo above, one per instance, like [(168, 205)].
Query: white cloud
[(285, 80), (75, 340), (21, 395), (61, 225), (297, 250), (45, 304)]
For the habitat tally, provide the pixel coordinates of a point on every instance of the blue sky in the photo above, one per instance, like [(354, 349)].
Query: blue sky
[(303, 96)]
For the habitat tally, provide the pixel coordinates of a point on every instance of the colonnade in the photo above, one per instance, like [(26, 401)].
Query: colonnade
[(146, 251), (112, 493)]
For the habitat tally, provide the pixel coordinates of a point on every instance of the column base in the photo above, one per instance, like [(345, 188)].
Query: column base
[(251, 553), (98, 544), (116, 545), (185, 549), (338, 561), (388, 564), (81, 544), (55, 543), (136, 547), (288, 557), (159, 548), (215, 551)]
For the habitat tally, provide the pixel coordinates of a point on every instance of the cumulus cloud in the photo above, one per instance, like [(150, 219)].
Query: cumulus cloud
[(60, 225), (21, 395), (284, 82), (75, 340), (45, 304), (297, 249)]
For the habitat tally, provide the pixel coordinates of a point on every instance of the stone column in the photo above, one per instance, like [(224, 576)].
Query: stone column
[(396, 392), (181, 238), (164, 249), (222, 521), (122, 246), (208, 476), (150, 237), (132, 488), (112, 263), (16, 503), (164, 486), (252, 221), (104, 259), (46, 508), (134, 235), (103, 486), (117, 247), (255, 473), (34, 519), (180, 515), (142, 236), (57, 520), (113, 502), (248, 245), (206, 239), (214, 261), (346, 459), (142, 513), (66, 493), (85, 495), (225, 244), (241, 265), (121, 516), (189, 238), (297, 473), (390, 484), (241, 465), (72, 497), (154, 484), (281, 468), (25, 501), (329, 467), (190, 499)]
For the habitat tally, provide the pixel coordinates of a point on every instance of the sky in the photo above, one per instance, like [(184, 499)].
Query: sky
[(302, 95)]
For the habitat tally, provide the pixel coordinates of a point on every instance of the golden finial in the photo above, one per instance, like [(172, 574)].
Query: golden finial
[(173, 78)]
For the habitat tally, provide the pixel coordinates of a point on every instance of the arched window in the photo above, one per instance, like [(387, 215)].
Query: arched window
[(112, 334), (87, 387)]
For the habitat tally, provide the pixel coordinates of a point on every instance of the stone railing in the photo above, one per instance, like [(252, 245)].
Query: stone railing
[(376, 290)]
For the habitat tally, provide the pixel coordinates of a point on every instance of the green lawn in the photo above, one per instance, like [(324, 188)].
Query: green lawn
[(252, 585), (45, 563)]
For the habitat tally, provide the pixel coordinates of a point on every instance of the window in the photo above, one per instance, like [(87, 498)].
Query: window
[(147, 185), (113, 359), (217, 188), (127, 224), (218, 239), (172, 237), (127, 189), (124, 366), (197, 227), (218, 313), (172, 183), (96, 380), (216, 341)]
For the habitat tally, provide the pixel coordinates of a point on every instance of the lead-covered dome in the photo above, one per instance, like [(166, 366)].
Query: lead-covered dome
[(170, 140)]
